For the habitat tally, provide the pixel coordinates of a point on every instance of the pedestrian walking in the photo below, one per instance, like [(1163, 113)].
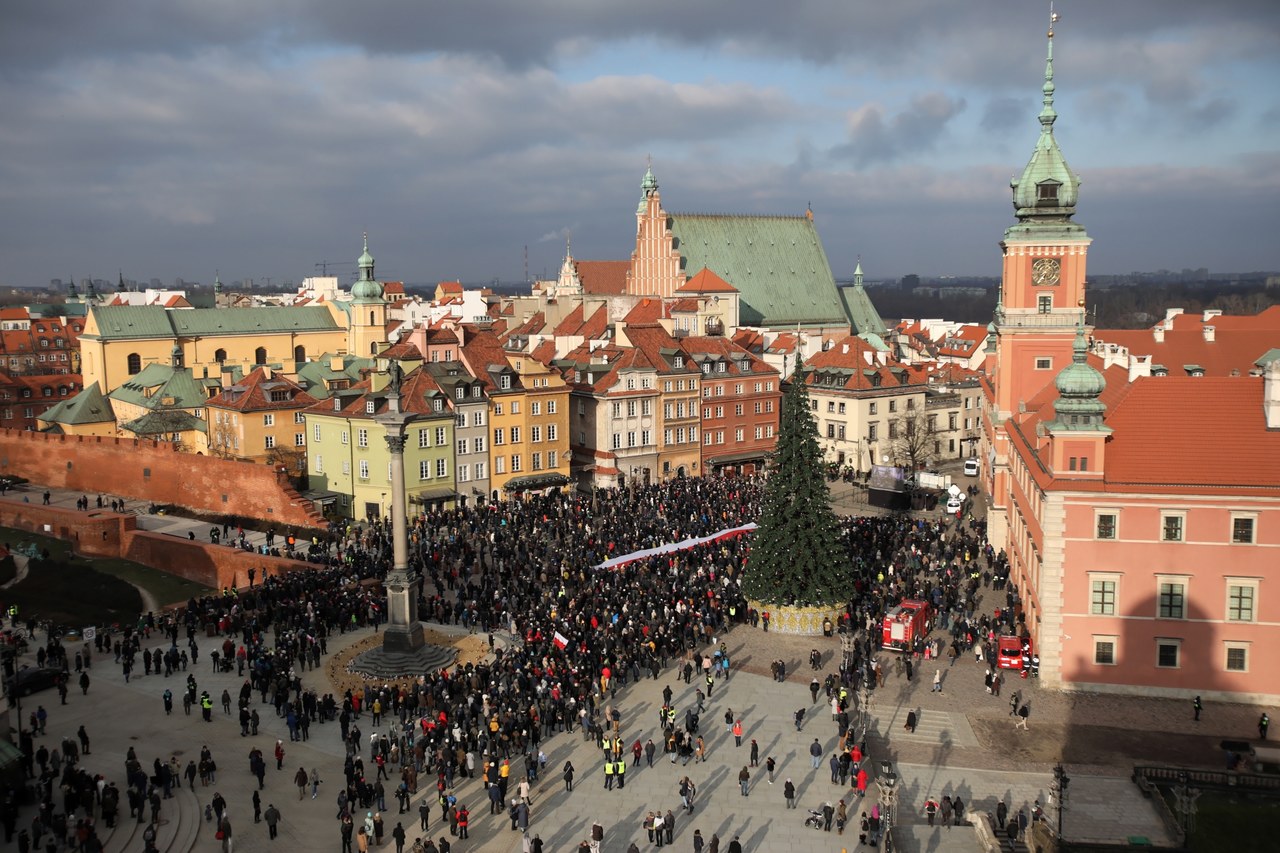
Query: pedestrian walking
[(1263, 722), (1197, 707), (789, 793), (744, 780), (272, 817)]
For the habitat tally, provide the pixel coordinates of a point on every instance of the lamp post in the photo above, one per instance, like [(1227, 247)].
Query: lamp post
[(1058, 790), (1184, 800), (888, 783)]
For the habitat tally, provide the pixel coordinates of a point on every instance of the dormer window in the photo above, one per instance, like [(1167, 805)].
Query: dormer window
[(678, 361), (475, 391), (460, 392), (720, 367), (706, 368), (504, 382), (370, 407), (438, 405), (1047, 193)]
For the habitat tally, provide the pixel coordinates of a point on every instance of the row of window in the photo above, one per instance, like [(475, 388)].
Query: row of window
[(710, 437), (270, 419), (739, 388), (1168, 653), (29, 361), (517, 462), (760, 408), (1171, 598), (536, 432), (535, 407), (1173, 526)]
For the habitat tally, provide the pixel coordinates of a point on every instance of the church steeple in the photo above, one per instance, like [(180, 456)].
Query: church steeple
[(648, 188), (1047, 190), (1079, 385), (72, 294), (366, 289)]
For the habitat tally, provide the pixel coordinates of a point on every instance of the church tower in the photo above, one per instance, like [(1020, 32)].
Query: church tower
[(368, 309), (1042, 294), (655, 263)]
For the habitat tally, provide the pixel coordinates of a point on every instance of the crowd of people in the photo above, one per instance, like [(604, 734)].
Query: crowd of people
[(580, 634)]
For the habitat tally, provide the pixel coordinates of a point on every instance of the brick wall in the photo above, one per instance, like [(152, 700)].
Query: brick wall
[(102, 533), (154, 472)]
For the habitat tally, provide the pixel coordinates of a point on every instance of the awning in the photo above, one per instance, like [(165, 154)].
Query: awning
[(322, 498), (735, 458), (443, 493), (536, 481)]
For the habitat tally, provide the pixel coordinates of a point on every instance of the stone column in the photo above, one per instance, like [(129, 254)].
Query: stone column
[(404, 631)]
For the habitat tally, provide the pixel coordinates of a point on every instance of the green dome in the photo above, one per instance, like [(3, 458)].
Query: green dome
[(1079, 387), (1047, 189), (366, 288)]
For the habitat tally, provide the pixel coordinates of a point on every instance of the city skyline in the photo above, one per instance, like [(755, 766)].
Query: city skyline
[(179, 138)]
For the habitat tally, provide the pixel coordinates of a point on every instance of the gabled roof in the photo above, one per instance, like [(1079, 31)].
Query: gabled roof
[(863, 316), (603, 278), (963, 342), (164, 422), (705, 281), (648, 310), (713, 347), (750, 340), (156, 383), (255, 393), (777, 263), (87, 407), (402, 351), (1238, 341), (131, 322), (483, 352), (570, 324)]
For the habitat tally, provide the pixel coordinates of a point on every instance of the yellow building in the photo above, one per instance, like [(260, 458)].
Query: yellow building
[(260, 419), (87, 413)]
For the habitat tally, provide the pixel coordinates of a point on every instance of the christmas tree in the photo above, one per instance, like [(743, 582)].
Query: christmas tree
[(797, 552)]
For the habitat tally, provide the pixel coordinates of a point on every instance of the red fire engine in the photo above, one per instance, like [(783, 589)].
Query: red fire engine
[(903, 624)]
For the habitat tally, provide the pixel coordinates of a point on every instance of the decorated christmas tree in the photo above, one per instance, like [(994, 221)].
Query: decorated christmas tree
[(797, 552)]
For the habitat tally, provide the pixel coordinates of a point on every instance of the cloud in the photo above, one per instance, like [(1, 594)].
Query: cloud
[(1002, 114), (873, 138)]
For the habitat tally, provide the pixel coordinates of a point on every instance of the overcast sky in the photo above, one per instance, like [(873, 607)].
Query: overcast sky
[(173, 137)]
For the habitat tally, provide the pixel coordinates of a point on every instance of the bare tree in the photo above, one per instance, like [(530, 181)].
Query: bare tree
[(912, 439)]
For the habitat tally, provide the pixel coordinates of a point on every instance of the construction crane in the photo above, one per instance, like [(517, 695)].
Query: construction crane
[(323, 266)]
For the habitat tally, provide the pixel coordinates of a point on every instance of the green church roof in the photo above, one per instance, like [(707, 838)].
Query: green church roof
[(87, 407), (777, 263), (163, 423), (157, 383), (862, 314), (133, 322)]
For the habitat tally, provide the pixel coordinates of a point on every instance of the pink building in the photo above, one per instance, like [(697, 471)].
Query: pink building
[(1135, 478)]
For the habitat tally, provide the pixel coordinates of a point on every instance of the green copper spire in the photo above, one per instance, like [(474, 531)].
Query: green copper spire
[(1048, 190), (217, 283), (648, 187), (366, 289), (72, 294), (857, 273), (1079, 387)]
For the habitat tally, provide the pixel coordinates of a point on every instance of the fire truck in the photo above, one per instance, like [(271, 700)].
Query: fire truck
[(903, 624)]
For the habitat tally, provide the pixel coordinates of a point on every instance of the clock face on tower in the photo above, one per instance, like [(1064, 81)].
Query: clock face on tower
[(1046, 271)]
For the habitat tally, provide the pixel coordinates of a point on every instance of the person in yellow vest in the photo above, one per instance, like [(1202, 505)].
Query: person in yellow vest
[(608, 775), (620, 770)]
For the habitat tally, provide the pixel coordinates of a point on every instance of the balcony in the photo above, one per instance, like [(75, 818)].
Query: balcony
[(1033, 319)]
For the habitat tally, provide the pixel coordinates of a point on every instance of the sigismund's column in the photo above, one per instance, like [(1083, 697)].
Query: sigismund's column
[(403, 634)]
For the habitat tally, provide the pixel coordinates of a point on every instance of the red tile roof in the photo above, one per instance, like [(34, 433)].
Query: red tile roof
[(1239, 341), (402, 350), (570, 324), (253, 394), (603, 278), (644, 312), (705, 281)]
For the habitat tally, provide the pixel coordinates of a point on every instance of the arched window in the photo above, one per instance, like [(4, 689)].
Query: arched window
[(372, 320), (373, 348), (134, 363), (299, 353), (260, 355), (219, 355)]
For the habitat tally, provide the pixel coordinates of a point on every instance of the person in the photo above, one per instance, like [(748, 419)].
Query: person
[(398, 835), (911, 722), (272, 817), (937, 681), (1024, 711), (789, 793), (828, 815), (737, 733), (300, 779), (568, 774), (842, 817), (799, 718), (257, 807), (815, 753), (1197, 707), (1263, 722), (1002, 814), (279, 755), (769, 766), (744, 780), (735, 846), (755, 753), (930, 809)]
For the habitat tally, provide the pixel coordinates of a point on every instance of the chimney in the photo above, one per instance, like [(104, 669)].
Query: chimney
[(1158, 332), (844, 349), (1208, 333), (1271, 394)]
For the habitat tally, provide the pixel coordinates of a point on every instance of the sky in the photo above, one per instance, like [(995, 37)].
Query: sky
[(175, 138)]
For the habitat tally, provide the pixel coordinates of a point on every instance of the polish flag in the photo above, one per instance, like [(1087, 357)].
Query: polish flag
[(560, 640)]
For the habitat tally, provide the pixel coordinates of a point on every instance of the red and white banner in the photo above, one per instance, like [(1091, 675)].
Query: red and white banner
[(560, 640), (676, 546)]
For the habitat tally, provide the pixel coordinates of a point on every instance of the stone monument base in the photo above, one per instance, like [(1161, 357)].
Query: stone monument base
[(806, 621), (403, 653)]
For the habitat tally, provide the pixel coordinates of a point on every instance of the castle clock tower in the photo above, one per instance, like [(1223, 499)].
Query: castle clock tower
[(1042, 289)]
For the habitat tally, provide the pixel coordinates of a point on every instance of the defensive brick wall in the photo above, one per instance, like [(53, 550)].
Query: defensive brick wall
[(155, 472), (102, 533)]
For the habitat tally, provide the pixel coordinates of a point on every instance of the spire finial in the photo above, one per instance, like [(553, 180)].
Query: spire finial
[(1048, 115)]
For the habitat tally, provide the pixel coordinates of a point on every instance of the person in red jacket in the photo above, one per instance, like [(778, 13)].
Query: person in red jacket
[(464, 817)]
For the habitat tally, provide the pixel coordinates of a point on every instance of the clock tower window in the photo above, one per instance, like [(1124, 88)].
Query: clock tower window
[(1044, 303)]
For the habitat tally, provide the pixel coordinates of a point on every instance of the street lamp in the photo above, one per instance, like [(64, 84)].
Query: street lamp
[(1058, 790), (888, 783)]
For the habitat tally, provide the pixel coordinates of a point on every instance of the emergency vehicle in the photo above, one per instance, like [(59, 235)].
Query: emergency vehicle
[(903, 624), (1013, 652)]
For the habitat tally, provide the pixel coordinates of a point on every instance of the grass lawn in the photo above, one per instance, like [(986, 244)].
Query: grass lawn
[(166, 588), (1228, 823)]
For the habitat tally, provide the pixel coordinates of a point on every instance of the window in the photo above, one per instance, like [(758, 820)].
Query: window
[(535, 433), (551, 459), (464, 473), (442, 436), (1172, 600), (362, 438), (424, 438), (1171, 527), (515, 435), (477, 444), (370, 407), (1242, 529), (315, 432), (497, 409), (460, 392), (268, 420), (1237, 657), (1044, 364), (515, 463), (460, 421), (616, 409), (1103, 596), (646, 437), (504, 382), (260, 355), (873, 432), (1241, 598), (760, 432), (479, 467), (1105, 525), (631, 408), (535, 408), (1168, 653), (551, 407), (270, 441), (319, 464), (646, 407), (462, 445), (424, 469), (299, 418), (707, 437), (498, 433), (299, 439), (1044, 303), (515, 407), (364, 469), (537, 461), (345, 438), (500, 465), (893, 406), (477, 418), (616, 441), (133, 360), (737, 434), (1104, 650), (442, 467)]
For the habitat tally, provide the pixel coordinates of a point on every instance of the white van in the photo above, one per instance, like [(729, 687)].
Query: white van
[(971, 467)]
